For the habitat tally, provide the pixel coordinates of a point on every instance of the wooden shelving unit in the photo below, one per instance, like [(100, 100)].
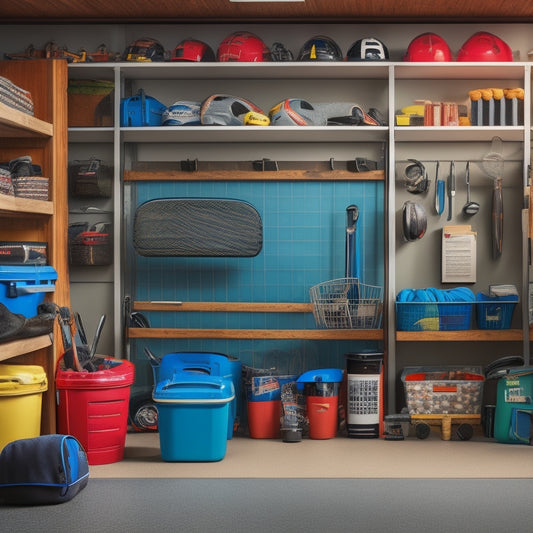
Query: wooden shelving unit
[(43, 136)]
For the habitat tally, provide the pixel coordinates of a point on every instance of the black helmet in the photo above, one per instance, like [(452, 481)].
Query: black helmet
[(280, 52), (144, 50), (414, 221), (320, 48), (369, 49)]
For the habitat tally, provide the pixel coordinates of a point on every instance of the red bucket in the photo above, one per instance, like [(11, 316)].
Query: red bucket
[(93, 407), (264, 419), (322, 412)]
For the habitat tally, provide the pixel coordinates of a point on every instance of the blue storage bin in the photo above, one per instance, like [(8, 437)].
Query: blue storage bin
[(193, 416), (424, 316), (495, 312), (22, 288), (205, 363)]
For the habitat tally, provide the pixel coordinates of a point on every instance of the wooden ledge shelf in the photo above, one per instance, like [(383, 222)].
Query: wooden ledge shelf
[(241, 334), (500, 335), (225, 307), (251, 175), (243, 307), (25, 206), (24, 346), (15, 123)]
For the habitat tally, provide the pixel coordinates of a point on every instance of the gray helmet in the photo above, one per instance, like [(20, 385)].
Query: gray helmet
[(296, 112), (226, 110)]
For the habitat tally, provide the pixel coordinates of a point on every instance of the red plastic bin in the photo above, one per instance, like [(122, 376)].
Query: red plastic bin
[(93, 407)]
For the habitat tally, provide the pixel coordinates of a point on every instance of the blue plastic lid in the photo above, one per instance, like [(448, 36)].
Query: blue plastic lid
[(27, 273), (185, 387), (323, 375)]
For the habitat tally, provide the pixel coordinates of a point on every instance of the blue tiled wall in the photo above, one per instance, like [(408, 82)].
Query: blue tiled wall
[(303, 244)]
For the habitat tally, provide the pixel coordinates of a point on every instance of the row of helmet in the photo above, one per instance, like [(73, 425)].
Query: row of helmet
[(248, 47), (229, 110), (482, 46)]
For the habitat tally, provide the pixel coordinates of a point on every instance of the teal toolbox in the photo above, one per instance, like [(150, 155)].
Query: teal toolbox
[(513, 422)]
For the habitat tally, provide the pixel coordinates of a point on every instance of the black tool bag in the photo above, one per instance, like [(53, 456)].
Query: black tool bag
[(42, 470)]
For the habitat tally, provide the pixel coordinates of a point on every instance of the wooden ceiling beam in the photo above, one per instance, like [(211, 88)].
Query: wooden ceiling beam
[(223, 11)]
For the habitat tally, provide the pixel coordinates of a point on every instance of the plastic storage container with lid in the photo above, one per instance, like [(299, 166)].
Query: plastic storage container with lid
[(21, 389), (193, 416), (205, 363), (321, 388), (22, 288), (93, 407)]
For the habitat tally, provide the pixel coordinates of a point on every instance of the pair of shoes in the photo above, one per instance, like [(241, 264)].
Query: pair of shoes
[(22, 167), (16, 326)]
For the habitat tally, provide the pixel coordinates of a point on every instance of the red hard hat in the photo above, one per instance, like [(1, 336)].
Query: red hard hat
[(243, 46), (484, 46), (428, 47), (192, 50)]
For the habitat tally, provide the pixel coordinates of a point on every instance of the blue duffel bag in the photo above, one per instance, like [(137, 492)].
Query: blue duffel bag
[(42, 470)]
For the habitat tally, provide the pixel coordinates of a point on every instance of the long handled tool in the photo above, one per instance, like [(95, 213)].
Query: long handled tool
[(451, 190), (493, 166), (352, 268), (440, 192), (470, 208)]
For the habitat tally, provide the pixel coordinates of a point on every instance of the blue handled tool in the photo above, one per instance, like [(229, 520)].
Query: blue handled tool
[(440, 192)]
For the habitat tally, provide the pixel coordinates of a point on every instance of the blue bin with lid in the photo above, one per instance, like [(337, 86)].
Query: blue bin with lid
[(207, 364), (23, 288), (193, 416)]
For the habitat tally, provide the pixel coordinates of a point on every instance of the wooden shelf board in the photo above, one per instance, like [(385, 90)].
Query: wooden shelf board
[(14, 123), (252, 175), (23, 346), (25, 205), (466, 335), (227, 307), (241, 334)]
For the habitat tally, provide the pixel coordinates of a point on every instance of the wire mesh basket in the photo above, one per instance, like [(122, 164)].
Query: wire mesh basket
[(346, 303)]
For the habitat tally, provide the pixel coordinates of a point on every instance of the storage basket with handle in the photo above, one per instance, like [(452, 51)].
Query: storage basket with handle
[(90, 179), (345, 303), (92, 247)]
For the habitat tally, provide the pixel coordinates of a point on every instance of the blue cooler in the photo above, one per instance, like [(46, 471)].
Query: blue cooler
[(205, 363), (193, 415), (22, 288)]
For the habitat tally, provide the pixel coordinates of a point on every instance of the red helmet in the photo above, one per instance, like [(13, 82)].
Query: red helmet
[(192, 50), (243, 46), (484, 46), (428, 47)]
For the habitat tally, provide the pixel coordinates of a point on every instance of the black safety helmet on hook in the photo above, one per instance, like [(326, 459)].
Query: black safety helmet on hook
[(416, 177), (414, 221)]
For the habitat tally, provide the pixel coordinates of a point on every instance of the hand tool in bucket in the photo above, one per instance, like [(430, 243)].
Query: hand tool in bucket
[(493, 166), (68, 332), (197, 227)]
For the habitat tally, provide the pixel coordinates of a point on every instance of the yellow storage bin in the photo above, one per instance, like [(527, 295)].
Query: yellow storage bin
[(21, 388)]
